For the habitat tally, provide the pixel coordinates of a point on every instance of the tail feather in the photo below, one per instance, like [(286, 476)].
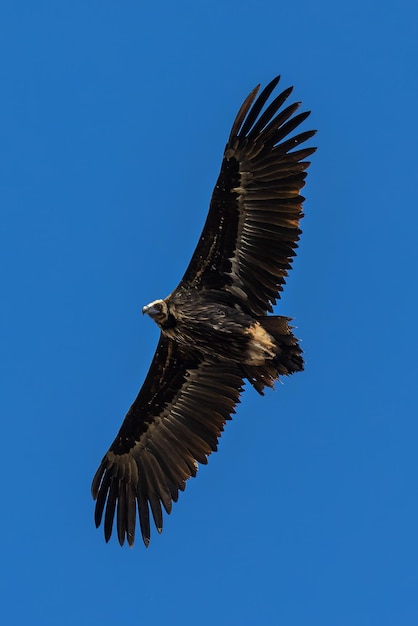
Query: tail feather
[(288, 357)]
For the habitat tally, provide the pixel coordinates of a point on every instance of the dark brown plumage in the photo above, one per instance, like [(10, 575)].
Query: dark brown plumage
[(215, 331)]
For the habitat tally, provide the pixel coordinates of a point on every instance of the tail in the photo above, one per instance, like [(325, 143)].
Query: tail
[(288, 357)]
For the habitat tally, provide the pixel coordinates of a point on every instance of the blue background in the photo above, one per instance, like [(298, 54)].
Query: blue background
[(113, 121)]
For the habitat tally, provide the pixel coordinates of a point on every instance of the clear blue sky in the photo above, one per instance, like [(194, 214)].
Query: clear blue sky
[(113, 121)]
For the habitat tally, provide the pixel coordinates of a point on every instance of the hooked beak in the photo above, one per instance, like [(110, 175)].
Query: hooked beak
[(151, 310)]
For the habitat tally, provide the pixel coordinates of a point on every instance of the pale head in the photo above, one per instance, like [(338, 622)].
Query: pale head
[(157, 310)]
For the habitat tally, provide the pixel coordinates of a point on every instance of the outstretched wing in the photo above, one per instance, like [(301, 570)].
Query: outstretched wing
[(252, 228), (174, 423)]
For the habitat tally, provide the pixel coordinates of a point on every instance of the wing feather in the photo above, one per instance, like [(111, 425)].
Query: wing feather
[(255, 110), (143, 514), (258, 187), (121, 510), (112, 497), (156, 475), (270, 111), (162, 439)]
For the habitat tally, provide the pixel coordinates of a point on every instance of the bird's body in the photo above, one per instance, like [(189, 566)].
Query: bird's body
[(215, 328), (204, 325)]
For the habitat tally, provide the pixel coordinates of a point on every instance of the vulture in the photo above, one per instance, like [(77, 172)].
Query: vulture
[(215, 331)]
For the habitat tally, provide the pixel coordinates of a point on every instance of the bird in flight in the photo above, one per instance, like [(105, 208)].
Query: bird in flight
[(215, 331)]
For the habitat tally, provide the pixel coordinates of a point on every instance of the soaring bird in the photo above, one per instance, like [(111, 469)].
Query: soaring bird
[(215, 331)]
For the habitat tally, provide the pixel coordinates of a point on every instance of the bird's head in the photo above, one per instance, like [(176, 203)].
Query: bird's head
[(157, 310)]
